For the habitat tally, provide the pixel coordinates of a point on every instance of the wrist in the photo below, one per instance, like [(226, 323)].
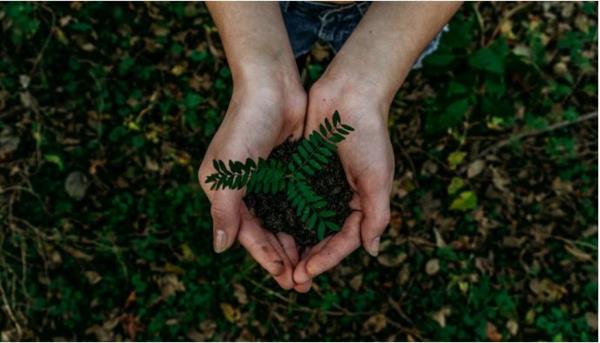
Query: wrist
[(368, 94), (365, 79)]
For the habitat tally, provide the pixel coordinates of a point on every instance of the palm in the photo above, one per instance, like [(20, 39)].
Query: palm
[(252, 127), (367, 158)]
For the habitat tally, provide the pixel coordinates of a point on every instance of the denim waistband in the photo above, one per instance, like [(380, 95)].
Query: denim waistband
[(320, 9)]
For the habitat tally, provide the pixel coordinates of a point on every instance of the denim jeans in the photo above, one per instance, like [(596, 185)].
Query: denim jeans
[(307, 22)]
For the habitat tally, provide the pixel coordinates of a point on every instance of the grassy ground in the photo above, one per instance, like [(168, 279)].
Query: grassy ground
[(105, 112)]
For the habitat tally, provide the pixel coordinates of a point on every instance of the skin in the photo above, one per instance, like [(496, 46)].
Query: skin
[(269, 106)]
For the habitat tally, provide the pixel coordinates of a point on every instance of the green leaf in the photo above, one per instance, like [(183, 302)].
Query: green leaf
[(327, 214), (450, 117), (312, 221), (348, 127), (488, 60), (321, 231), (328, 124), (56, 160), (336, 118), (465, 201), (456, 184), (322, 130), (336, 138), (223, 167), (332, 226), (456, 158)]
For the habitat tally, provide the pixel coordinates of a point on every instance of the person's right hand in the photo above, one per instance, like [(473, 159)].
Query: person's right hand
[(263, 113)]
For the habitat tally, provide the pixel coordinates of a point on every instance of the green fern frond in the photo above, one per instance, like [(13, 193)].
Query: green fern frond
[(310, 207), (269, 177), (315, 152), (235, 177)]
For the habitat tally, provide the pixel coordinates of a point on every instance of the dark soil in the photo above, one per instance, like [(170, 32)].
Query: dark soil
[(277, 213)]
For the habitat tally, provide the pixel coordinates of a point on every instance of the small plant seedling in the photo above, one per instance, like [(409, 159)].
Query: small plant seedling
[(271, 175)]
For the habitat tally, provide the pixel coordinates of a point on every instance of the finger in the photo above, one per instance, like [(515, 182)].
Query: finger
[(300, 274), (284, 279), (225, 213), (376, 210), (335, 250), (289, 247), (303, 287), (255, 240)]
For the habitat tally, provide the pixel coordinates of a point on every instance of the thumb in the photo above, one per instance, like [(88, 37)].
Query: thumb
[(225, 213), (376, 211)]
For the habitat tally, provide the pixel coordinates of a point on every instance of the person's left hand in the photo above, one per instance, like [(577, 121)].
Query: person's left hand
[(368, 161)]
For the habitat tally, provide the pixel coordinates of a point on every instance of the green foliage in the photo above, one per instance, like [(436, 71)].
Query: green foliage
[(131, 94), (271, 176)]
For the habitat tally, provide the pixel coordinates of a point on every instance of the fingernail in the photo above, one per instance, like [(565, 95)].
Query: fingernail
[(374, 247), (220, 242)]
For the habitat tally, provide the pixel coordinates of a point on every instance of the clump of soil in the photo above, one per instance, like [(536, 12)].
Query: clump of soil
[(277, 213)]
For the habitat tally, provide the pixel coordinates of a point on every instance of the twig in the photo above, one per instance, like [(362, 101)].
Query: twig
[(38, 59), (10, 313), (530, 133)]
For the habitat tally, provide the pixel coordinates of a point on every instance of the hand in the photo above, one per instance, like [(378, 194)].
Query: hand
[(260, 116), (368, 162)]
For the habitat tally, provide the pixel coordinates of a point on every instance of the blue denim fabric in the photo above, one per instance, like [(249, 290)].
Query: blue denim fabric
[(307, 22)]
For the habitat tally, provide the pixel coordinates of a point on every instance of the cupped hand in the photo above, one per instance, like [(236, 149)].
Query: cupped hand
[(259, 118), (367, 159)]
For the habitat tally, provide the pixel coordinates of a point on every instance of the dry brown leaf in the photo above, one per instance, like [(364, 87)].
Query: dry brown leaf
[(92, 276), (356, 282), (240, 293), (592, 320), (547, 290), (475, 168), (391, 260), (232, 314), (578, 254), (432, 266), (375, 323), (492, 333), (440, 316), (512, 326)]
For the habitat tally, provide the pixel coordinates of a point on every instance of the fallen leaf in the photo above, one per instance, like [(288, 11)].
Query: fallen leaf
[(375, 323), (356, 282), (92, 276), (456, 158), (492, 333), (240, 293), (464, 202), (232, 314), (499, 180), (475, 168), (76, 185), (592, 320), (440, 316), (577, 253), (432, 266), (390, 260), (512, 326), (439, 241), (456, 184)]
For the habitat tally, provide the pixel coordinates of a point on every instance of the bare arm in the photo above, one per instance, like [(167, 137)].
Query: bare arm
[(267, 107), (360, 83), (255, 39), (389, 38)]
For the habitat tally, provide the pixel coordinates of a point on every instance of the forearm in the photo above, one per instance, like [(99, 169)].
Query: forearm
[(383, 47), (254, 38)]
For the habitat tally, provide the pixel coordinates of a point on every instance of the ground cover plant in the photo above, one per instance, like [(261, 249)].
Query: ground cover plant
[(105, 115)]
